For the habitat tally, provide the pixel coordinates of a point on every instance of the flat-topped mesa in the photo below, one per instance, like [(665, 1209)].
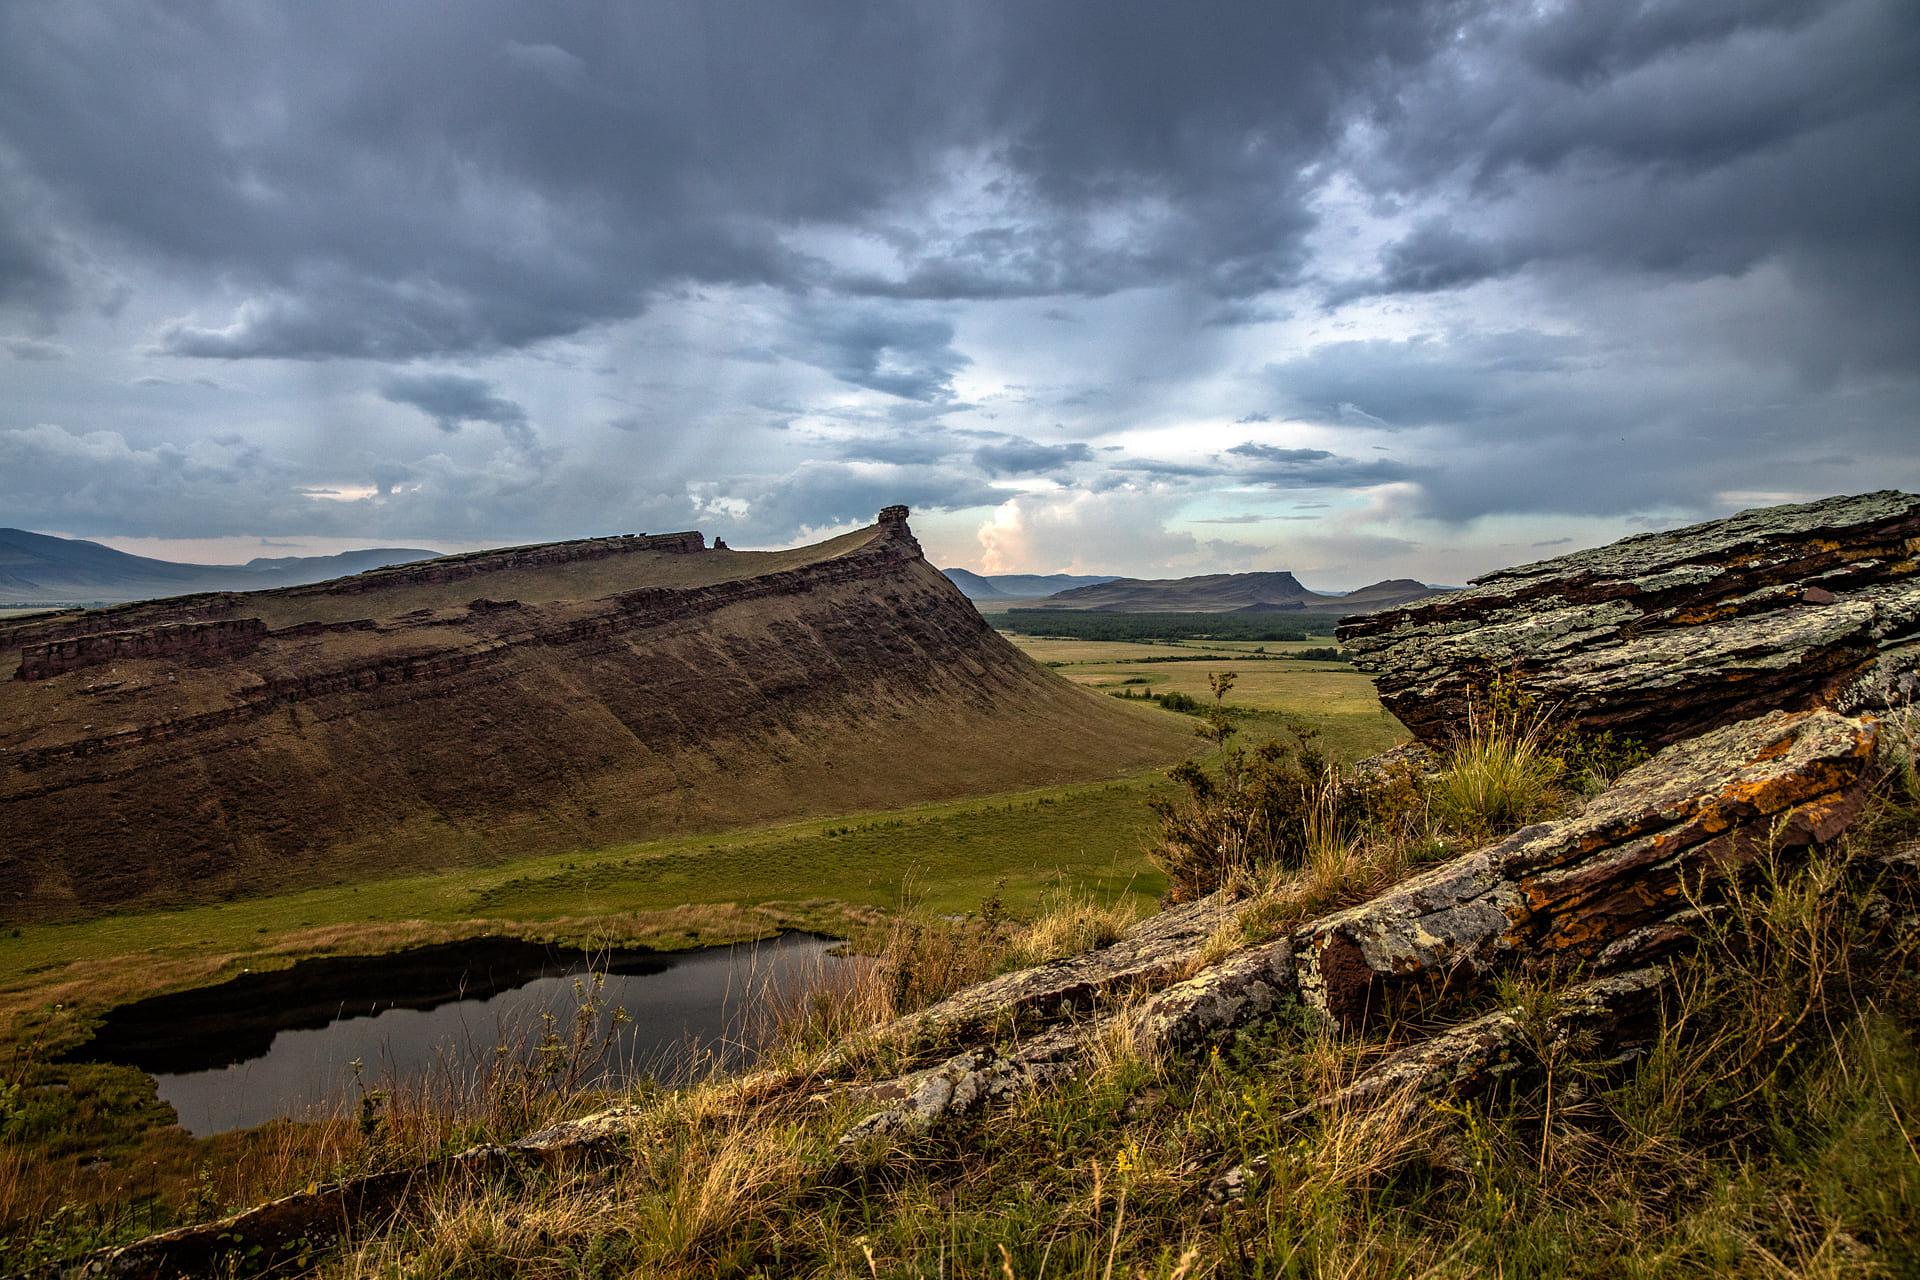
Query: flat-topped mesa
[(1664, 635)]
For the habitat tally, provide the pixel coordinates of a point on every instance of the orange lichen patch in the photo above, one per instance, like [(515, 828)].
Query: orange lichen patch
[(1703, 614)]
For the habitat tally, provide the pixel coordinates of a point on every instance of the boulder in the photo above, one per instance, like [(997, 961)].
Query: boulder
[(1664, 635), (1615, 886)]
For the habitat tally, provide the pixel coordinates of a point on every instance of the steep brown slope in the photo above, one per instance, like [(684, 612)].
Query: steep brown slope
[(535, 699)]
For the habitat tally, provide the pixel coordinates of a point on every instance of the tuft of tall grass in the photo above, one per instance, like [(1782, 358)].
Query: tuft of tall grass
[(1067, 924), (1505, 770), (923, 958)]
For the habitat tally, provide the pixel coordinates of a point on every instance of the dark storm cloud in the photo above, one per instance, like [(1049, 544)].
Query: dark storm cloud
[(34, 349), (1468, 380), (489, 179), (1160, 468), (1278, 468), (1637, 253), (881, 348), (906, 449), (1674, 142), (452, 400), (1028, 457)]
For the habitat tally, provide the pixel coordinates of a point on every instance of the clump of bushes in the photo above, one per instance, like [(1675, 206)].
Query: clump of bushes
[(1282, 806), (1278, 804), (1319, 653), (1172, 700)]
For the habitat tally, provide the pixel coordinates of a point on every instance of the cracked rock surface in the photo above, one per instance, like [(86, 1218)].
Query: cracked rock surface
[(1664, 635), (1609, 886)]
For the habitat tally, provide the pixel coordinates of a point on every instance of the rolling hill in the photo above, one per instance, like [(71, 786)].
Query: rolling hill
[(1233, 593), (563, 696), (40, 569)]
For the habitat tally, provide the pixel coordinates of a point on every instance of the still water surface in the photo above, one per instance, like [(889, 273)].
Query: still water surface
[(269, 1045)]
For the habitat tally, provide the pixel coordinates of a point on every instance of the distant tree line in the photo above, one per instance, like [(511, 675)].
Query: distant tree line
[(1080, 624)]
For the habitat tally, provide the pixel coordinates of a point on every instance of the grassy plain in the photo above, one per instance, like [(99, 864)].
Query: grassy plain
[(947, 858), (1270, 691)]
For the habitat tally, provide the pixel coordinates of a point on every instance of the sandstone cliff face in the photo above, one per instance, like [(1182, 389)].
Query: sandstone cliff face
[(189, 641), (853, 677), (1667, 634)]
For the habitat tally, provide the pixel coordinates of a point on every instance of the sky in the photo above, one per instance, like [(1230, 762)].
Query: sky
[(1354, 290)]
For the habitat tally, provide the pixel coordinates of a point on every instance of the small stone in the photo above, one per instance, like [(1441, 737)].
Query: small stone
[(1818, 595)]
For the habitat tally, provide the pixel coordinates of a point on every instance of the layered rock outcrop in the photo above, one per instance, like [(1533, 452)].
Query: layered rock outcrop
[(600, 692), (1664, 635), (1614, 886), (186, 641)]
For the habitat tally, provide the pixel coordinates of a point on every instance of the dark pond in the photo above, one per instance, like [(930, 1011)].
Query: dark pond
[(283, 1043)]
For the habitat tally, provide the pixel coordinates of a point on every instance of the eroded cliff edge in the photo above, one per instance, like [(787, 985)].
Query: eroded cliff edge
[(536, 699)]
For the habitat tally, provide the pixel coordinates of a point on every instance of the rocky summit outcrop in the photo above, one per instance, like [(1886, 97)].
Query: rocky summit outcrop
[(538, 698), (1664, 635)]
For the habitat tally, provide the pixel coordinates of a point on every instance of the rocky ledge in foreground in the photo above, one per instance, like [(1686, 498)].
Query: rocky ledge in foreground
[(1665, 635), (1613, 891)]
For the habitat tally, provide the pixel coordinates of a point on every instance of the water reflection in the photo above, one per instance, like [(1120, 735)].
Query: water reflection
[(282, 1044)]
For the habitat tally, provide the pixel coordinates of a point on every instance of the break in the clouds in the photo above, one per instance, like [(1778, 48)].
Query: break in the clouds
[(1393, 288)]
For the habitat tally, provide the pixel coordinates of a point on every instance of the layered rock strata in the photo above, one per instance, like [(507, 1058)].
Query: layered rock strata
[(608, 691), (1664, 635), (1612, 886)]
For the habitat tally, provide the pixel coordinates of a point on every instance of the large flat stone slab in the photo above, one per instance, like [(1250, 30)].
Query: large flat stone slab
[(1664, 635)]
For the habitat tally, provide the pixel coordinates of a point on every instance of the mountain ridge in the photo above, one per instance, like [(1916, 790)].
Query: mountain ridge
[(1019, 586), (1271, 591), (42, 568)]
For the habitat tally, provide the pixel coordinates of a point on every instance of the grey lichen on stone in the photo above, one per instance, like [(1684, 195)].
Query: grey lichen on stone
[(1660, 636), (1563, 891)]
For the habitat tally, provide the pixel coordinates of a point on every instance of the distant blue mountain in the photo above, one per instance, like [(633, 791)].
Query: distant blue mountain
[(1019, 586), (38, 568)]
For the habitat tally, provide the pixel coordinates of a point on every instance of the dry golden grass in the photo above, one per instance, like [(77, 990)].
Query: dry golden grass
[(1767, 1133)]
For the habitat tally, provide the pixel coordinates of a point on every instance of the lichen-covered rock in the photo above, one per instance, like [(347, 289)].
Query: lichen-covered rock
[(1664, 635), (1612, 887), (1233, 992), (1474, 1057)]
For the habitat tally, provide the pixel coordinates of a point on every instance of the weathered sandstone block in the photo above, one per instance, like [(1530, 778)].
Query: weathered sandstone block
[(1663, 635), (1611, 887)]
